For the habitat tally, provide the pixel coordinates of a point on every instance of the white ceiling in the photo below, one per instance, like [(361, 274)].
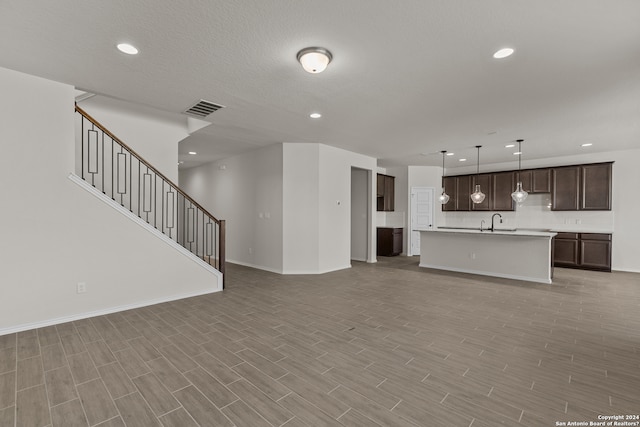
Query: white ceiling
[(408, 77)]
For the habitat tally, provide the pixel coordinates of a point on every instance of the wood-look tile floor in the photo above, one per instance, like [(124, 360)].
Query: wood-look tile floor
[(387, 344)]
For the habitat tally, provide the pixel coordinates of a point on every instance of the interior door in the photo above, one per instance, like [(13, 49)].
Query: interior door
[(421, 215)]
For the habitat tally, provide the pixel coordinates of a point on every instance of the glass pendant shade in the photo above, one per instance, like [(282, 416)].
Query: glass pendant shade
[(477, 196), (443, 198), (519, 195)]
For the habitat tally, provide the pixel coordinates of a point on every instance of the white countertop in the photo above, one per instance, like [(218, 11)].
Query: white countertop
[(500, 232)]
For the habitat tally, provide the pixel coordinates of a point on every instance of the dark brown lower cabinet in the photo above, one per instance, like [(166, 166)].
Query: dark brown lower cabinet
[(587, 251), (389, 242)]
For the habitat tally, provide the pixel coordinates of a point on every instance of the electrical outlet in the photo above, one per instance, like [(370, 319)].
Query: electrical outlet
[(81, 288)]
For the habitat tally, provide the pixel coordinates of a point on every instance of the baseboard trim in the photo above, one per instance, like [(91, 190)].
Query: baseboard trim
[(102, 312), (257, 267)]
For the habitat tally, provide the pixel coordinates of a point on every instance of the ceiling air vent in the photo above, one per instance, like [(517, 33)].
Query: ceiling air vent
[(203, 109)]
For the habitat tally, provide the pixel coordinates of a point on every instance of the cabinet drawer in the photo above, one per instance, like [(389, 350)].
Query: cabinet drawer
[(573, 236), (595, 236)]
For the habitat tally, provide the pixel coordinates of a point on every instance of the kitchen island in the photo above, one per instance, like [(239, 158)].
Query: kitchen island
[(512, 254)]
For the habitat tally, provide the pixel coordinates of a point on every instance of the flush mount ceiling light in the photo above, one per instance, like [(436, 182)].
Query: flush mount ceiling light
[(444, 197), (314, 59), (519, 195), (477, 196), (503, 53), (128, 49), (315, 115)]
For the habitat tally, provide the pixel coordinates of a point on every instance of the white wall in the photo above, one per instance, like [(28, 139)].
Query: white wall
[(153, 134), (359, 214), (535, 213), (57, 235), (334, 206), (246, 191), (301, 208)]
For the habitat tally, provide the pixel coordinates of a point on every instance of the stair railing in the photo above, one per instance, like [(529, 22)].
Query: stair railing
[(119, 172)]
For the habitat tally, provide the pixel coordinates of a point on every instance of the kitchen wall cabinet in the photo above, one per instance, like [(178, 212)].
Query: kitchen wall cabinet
[(463, 193), (581, 187), (565, 188), (503, 186), (449, 184), (587, 251), (595, 187), (535, 181), (385, 193), (389, 241)]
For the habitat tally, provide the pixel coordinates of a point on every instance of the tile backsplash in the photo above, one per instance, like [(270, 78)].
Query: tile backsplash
[(536, 213)]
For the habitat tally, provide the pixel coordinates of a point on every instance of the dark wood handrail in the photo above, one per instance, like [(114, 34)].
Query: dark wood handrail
[(144, 162)]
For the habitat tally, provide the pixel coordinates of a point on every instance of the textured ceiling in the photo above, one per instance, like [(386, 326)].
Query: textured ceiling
[(408, 77)]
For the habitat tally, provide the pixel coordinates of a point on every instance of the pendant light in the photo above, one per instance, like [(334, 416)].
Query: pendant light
[(444, 197), (519, 195), (477, 196)]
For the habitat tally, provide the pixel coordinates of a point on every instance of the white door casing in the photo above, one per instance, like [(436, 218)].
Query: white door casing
[(422, 215)]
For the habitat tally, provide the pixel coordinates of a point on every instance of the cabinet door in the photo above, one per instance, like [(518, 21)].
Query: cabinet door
[(449, 185), (565, 252), (540, 181), (380, 185), (503, 186), (595, 190), (389, 193), (485, 186), (397, 241), (463, 191), (384, 242), (564, 191), (595, 251), (526, 178)]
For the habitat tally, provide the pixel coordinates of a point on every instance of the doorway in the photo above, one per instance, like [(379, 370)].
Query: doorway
[(422, 215), (360, 220)]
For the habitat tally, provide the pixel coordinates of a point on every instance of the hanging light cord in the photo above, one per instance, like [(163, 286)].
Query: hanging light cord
[(519, 158), (478, 164)]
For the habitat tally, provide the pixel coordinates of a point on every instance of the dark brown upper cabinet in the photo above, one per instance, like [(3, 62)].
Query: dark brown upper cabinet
[(485, 180), (449, 184), (565, 188), (463, 193), (503, 186), (535, 180), (582, 187), (385, 193), (595, 187)]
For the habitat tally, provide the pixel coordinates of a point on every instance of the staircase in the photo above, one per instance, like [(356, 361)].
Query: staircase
[(118, 172)]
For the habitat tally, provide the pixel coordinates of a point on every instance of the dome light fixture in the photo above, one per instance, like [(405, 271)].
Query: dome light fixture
[(519, 195), (127, 48), (478, 196), (314, 59), (503, 53), (444, 197)]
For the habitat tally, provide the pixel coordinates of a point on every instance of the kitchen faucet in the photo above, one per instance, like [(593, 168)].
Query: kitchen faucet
[(492, 218)]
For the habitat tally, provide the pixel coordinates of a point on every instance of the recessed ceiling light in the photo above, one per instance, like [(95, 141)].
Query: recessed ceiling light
[(462, 160), (193, 153), (315, 115), (450, 154), (128, 49), (517, 152), (503, 53), (587, 144), (509, 145)]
